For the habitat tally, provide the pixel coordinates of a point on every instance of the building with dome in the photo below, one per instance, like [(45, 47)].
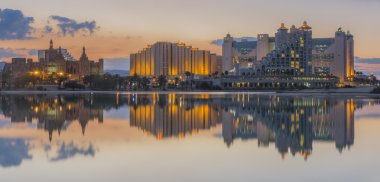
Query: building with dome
[(60, 61), (54, 62)]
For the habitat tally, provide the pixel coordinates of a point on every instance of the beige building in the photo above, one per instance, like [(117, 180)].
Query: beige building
[(56, 62), (335, 56), (327, 56), (173, 59)]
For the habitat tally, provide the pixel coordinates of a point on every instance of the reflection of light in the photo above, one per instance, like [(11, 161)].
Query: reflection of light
[(36, 109), (117, 98)]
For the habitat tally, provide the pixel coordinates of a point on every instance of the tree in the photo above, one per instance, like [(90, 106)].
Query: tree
[(25, 80), (62, 79), (176, 81), (136, 80), (216, 74), (182, 84), (73, 85), (5, 76), (162, 80), (118, 81), (145, 82), (189, 76), (89, 80)]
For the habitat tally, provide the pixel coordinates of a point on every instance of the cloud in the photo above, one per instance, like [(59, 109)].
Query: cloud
[(368, 65), (219, 42), (67, 26), (13, 152), (14, 25), (32, 52), (48, 29), (8, 53), (117, 64), (367, 60), (67, 151)]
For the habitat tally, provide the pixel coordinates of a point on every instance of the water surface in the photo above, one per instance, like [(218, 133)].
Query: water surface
[(188, 137)]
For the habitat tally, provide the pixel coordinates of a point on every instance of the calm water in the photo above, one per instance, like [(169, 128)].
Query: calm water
[(184, 137)]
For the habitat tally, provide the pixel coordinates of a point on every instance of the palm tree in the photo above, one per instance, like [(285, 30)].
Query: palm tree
[(62, 79), (117, 81), (189, 75), (162, 80), (136, 80), (89, 80), (216, 74), (176, 81), (144, 82)]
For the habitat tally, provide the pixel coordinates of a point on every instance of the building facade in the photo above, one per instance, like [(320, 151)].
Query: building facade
[(335, 56), (174, 59), (56, 62), (291, 52)]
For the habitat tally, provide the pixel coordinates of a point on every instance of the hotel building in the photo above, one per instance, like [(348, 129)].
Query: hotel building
[(174, 59), (54, 61), (335, 55), (291, 52)]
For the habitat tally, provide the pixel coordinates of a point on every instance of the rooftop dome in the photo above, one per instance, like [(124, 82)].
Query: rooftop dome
[(283, 27), (305, 26)]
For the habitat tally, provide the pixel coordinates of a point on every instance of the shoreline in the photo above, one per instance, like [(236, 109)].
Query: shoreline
[(332, 92)]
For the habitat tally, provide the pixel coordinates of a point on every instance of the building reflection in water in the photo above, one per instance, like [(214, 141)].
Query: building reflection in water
[(291, 123), (55, 113), (173, 115)]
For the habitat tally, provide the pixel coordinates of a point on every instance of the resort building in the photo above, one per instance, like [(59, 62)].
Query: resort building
[(174, 59), (335, 56), (56, 62), (292, 52)]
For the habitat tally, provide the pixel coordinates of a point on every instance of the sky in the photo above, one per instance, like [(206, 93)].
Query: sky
[(112, 29)]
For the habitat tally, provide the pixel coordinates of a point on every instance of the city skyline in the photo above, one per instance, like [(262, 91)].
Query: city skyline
[(114, 30)]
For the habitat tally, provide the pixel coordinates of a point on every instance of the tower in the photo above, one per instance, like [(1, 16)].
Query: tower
[(340, 58), (307, 45), (281, 36), (84, 55), (227, 64), (51, 44), (350, 70), (262, 46)]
